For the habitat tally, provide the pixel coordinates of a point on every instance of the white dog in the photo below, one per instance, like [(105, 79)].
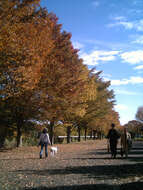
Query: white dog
[(53, 150)]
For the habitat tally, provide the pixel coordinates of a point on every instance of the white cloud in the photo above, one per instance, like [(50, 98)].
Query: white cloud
[(132, 80), (133, 57), (127, 25), (90, 59), (119, 18), (139, 25), (138, 67), (136, 80), (119, 82), (125, 92), (77, 45), (96, 71), (94, 57), (125, 119), (114, 46), (120, 107), (106, 77), (121, 21), (138, 40), (126, 113)]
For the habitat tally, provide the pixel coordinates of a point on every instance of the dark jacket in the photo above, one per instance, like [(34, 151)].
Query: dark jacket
[(113, 135)]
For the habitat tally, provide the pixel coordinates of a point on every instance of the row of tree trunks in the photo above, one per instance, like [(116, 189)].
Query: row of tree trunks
[(92, 134), (51, 134)]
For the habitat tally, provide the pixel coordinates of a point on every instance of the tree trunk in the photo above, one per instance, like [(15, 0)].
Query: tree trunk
[(85, 133), (91, 133), (94, 132), (99, 135), (3, 135), (79, 130), (68, 134), (19, 134), (2, 141), (51, 132)]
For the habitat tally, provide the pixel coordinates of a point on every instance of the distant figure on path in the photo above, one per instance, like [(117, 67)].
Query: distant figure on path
[(126, 142), (44, 141), (113, 137)]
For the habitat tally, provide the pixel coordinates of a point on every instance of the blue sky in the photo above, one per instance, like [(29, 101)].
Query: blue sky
[(109, 34)]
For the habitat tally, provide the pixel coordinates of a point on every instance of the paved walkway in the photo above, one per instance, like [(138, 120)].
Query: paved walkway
[(77, 166)]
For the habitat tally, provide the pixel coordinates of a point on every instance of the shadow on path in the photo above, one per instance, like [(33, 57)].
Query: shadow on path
[(98, 172), (5, 149), (135, 154), (19, 159), (128, 186)]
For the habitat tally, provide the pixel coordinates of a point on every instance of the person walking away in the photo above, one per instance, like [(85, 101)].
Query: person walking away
[(113, 137), (44, 141), (126, 142)]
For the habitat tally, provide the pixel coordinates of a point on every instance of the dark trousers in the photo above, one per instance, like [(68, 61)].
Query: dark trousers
[(113, 147), (46, 149)]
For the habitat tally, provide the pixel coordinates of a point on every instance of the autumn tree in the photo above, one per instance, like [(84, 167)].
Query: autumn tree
[(6, 128), (75, 116), (24, 40), (41, 73), (111, 117), (134, 127), (98, 109), (91, 96), (139, 114), (66, 81)]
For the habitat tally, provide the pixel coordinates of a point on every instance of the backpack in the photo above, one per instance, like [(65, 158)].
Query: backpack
[(43, 138)]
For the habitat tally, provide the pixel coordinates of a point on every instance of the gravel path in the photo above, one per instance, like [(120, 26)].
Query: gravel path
[(85, 165)]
